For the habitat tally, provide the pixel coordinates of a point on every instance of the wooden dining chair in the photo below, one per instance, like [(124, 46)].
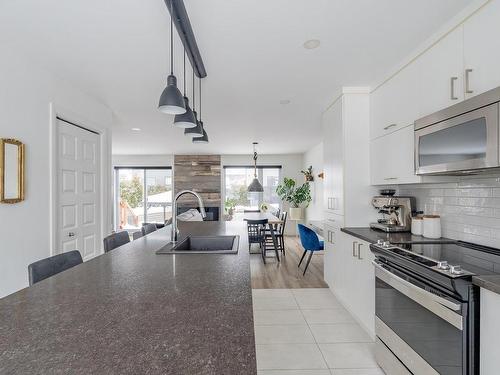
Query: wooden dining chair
[(255, 230), (53, 265)]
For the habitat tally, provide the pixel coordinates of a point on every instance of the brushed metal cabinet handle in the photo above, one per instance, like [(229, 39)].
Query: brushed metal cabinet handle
[(354, 243), (452, 88), (467, 81), (359, 251), (71, 234), (390, 178), (390, 126)]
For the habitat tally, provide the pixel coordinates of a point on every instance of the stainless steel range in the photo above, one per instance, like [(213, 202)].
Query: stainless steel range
[(427, 309)]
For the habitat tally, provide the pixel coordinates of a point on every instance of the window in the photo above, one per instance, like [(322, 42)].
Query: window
[(237, 179), (143, 195)]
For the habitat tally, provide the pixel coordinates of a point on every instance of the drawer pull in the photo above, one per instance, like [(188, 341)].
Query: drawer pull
[(390, 178), (390, 126)]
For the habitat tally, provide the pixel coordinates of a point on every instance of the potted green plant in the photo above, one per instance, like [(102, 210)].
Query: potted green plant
[(229, 205), (308, 174), (297, 196), (264, 207)]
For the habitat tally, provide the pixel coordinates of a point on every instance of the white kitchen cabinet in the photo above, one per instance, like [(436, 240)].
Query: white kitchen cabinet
[(440, 74), (353, 278), (347, 190), (481, 52), (392, 158), (489, 350), (394, 105), (332, 268)]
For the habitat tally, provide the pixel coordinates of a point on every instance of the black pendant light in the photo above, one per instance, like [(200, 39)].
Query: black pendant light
[(171, 100), (255, 186), (204, 137), (187, 119), (196, 131)]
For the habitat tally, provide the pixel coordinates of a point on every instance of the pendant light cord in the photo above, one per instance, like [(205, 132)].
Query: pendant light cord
[(199, 84), (194, 101), (184, 72), (171, 37), (254, 161)]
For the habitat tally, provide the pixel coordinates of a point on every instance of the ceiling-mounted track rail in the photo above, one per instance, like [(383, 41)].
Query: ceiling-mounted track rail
[(186, 34)]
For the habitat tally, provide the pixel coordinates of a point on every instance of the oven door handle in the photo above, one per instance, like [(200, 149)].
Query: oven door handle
[(440, 306)]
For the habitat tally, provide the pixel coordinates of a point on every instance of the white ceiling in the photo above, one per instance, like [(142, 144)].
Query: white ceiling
[(117, 50)]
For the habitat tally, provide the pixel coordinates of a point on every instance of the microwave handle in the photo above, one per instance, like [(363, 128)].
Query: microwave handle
[(438, 305)]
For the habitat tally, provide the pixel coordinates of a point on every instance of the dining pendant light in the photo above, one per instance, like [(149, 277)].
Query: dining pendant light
[(204, 137), (187, 119), (255, 186), (171, 100), (196, 131)]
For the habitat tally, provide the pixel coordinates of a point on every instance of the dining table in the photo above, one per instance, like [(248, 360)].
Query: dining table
[(271, 219)]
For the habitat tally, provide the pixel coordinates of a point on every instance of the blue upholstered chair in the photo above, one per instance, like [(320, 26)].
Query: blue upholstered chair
[(310, 242)]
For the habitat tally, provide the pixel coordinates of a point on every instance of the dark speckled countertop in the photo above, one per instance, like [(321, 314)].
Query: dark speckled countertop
[(373, 235), (131, 311)]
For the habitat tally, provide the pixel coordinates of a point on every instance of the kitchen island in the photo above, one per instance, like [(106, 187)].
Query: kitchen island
[(131, 311)]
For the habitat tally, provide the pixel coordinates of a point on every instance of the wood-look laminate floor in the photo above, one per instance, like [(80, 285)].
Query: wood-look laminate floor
[(286, 274)]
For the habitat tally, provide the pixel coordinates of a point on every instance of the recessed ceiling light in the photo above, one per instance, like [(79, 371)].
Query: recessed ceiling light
[(312, 44), (136, 129), (285, 101)]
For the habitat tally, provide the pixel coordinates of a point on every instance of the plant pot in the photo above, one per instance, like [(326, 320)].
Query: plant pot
[(295, 213)]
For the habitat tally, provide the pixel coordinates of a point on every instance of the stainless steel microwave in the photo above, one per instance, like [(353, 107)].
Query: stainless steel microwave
[(463, 138)]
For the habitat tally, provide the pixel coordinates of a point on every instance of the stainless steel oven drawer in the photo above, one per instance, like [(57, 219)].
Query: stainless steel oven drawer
[(388, 361), (414, 362)]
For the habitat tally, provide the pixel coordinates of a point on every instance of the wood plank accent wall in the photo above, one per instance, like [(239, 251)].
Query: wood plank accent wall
[(200, 173)]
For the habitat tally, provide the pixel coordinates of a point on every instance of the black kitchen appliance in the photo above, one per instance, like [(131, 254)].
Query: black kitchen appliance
[(426, 307)]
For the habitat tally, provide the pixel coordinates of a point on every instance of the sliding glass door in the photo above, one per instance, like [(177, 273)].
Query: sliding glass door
[(142, 195), (237, 179)]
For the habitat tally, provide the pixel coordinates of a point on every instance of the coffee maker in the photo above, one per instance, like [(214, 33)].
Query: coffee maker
[(396, 212)]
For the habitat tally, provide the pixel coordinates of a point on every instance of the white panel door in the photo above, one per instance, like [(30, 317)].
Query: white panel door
[(481, 51), (78, 186), (439, 67)]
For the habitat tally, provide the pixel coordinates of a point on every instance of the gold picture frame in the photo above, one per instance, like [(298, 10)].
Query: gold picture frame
[(11, 170)]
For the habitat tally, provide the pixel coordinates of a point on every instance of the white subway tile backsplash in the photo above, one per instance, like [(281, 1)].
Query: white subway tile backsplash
[(469, 208)]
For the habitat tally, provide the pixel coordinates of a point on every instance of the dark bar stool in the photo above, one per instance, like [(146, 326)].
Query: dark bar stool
[(148, 228), (137, 235), (51, 266), (114, 240)]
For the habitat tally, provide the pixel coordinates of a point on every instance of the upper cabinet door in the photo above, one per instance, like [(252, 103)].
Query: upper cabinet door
[(481, 50), (441, 74), (394, 105), (392, 158)]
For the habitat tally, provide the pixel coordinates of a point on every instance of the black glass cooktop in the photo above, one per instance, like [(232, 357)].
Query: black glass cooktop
[(472, 259)]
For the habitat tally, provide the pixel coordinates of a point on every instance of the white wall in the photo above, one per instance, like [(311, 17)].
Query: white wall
[(25, 94), (143, 160), (314, 157)]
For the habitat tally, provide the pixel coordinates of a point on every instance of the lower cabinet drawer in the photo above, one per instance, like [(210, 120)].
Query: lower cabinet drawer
[(333, 220)]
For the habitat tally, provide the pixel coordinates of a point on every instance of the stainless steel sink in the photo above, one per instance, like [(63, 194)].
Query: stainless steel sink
[(203, 245)]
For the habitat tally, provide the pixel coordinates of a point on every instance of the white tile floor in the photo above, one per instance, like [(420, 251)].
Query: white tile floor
[(308, 332)]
